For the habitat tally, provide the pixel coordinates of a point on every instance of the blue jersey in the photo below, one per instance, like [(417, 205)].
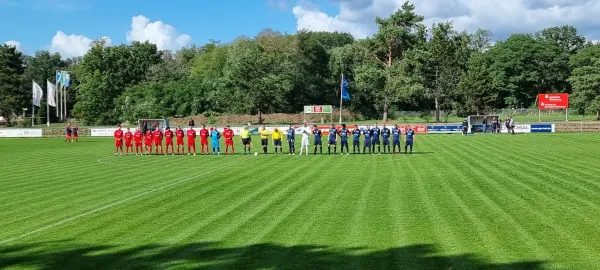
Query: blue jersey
[(291, 134), (410, 135), (385, 133), (375, 133), (344, 133), (333, 133), (318, 134), (396, 134), (356, 134), (215, 135), (367, 134)]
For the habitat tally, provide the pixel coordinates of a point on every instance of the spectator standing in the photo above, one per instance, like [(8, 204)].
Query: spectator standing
[(485, 123)]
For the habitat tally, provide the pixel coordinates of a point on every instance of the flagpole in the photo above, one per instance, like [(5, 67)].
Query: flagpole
[(47, 105), (341, 96), (32, 114), (65, 102)]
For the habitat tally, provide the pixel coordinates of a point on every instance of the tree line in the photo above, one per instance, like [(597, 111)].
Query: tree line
[(405, 65)]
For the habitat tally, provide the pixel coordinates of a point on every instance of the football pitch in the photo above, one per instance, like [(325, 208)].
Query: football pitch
[(527, 201)]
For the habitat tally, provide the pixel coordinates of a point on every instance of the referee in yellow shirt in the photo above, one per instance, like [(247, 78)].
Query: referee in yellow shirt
[(246, 140), (264, 138), (277, 135)]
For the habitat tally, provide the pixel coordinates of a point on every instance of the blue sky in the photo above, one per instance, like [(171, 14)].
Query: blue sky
[(69, 26), (34, 23)]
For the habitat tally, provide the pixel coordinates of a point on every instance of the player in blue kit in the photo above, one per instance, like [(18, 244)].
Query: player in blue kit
[(356, 139), (344, 134), (291, 136), (332, 140), (367, 141), (215, 135), (317, 133), (375, 138), (396, 139), (410, 140), (385, 134)]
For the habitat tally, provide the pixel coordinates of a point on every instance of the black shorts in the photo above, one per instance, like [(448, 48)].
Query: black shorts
[(277, 142), (409, 142), (318, 142), (376, 142), (386, 142), (246, 141), (264, 141)]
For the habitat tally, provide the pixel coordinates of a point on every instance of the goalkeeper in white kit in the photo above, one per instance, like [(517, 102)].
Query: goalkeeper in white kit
[(305, 135)]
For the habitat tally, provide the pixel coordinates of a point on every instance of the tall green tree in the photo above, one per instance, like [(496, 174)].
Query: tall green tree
[(105, 72), (449, 53), (565, 36), (524, 66), (585, 79), (13, 97), (476, 91), (395, 35)]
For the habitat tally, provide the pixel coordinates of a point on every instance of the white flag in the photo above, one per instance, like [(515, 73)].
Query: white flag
[(51, 93), (37, 94)]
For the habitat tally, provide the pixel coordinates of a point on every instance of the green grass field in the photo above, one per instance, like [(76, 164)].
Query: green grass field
[(479, 202)]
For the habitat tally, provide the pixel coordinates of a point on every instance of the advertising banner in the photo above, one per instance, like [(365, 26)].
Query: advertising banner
[(518, 129), (103, 132), (318, 109), (447, 129), (21, 133), (539, 128), (553, 101)]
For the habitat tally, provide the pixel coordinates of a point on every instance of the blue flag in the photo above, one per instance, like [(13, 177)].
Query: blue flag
[(345, 94)]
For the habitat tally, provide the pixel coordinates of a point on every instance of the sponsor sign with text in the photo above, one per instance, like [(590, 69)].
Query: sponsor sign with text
[(553, 101)]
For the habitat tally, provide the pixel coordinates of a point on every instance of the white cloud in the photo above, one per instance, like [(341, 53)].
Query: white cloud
[(72, 45), (501, 16), (163, 35), (13, 43), (278, 4)]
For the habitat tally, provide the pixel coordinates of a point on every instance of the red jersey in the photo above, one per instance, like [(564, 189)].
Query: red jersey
[(157, 135), (191, 134), (228, 134), (118, 134), (204, 134), (148, 136), (179, 134), (137, 137), (128, 136), (169, 135)]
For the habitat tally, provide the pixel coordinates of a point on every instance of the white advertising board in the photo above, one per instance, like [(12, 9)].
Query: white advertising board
[(21, 133), (518, 129)]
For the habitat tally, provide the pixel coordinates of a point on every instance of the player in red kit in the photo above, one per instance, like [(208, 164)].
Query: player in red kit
[(157, 136), (228, 134), (179, 135), (169, 141), (128, 142), (118, 140), (204, 133), (148, 142), (191, 135), (137, 138)]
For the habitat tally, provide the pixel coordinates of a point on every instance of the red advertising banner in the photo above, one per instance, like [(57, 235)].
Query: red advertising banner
[(419, 129), (553, 101)]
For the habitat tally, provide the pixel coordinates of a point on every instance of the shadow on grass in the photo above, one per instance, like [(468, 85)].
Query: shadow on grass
[(57, 255)]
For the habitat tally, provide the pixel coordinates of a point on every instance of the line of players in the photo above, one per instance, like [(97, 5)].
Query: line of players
[(371, 138)]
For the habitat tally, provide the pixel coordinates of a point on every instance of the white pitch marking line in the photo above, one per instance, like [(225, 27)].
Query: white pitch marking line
[(114, 204)]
